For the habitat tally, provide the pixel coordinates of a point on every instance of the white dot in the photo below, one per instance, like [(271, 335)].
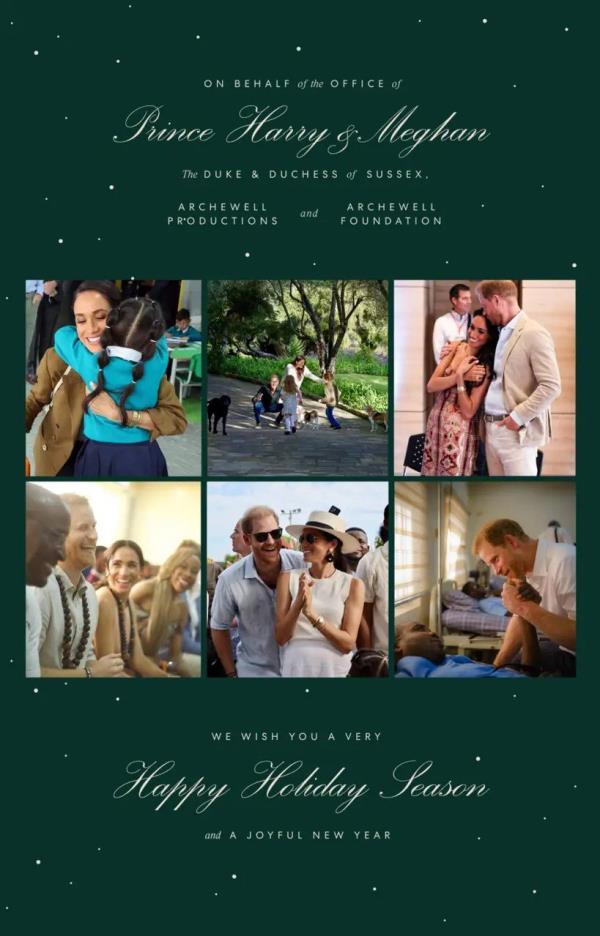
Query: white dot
[(514, 695), (566, 30), (484, 21), (112, 188), (298, 48), (66, 755), (38, 861), (66, 118), (234, 876), (478, 838), (117, 699), (216, 894), (514, 86), (70, 882), (58, 35), (247, 254), (446, 261), (99, 238), (60, 240), (314, 262), (574, 265), (65, 683), (534, 891), (36, 52), (35, 691), (115, 136), (197, 37), (483, 204), (545, 818), (10, 661), (419, 21), (574, 786), (118, 61), (307, 690), (543, 186), (45, 198), (478, 758), (99, 849), (374, 888)]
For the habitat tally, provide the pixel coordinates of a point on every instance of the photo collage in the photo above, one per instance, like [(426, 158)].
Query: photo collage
[(215, 486)]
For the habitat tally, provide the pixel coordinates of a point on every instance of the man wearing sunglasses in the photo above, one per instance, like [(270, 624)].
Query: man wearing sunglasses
[(247, 591)]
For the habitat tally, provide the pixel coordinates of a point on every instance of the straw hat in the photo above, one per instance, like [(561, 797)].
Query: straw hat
[(326, 522)]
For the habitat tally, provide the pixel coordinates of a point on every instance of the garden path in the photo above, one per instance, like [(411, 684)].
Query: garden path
[(351, 451)]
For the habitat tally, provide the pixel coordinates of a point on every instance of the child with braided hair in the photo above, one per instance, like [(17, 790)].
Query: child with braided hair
[(130, 364)]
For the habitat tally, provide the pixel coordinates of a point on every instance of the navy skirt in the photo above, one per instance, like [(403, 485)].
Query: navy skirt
[(120, 460)]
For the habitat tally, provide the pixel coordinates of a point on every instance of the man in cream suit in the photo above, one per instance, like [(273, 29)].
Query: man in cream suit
[(526, 381)]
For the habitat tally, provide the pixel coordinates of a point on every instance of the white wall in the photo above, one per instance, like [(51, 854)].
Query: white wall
[(530, 504), (162, 514), (157, 515)]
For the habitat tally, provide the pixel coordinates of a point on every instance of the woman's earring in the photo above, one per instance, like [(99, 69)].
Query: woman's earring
[(329, 557)]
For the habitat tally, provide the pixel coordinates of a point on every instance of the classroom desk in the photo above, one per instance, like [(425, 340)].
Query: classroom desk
[(186, 356)]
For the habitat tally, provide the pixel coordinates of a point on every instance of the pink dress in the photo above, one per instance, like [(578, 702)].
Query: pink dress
[(450, 439)]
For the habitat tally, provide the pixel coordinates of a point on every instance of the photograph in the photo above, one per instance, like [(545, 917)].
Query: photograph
[(297, 578), (305, 358), (485, 579), (484, 375), (113, 378), (112, 579)]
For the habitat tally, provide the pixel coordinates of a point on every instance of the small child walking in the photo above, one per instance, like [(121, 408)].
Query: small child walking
[(289, 397), (331, 399)]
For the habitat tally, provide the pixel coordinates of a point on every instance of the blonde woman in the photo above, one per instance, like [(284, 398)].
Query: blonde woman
[(162, 611), (318, 611)]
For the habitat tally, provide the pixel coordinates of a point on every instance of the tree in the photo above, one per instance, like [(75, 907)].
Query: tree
[(321, 313), (242, 320)]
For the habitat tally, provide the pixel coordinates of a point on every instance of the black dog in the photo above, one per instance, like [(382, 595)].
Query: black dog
[(218, 408)]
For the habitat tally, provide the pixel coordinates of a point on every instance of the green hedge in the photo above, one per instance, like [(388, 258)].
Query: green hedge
[(353, 393)]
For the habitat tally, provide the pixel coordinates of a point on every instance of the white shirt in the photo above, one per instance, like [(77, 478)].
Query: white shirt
[(449, 327), (554, 577), (373, 571), (33, 627), (53, 628), (291, 370), (241, 593), (494, 398)]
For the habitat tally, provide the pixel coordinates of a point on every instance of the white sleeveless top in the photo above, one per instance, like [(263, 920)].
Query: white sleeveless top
[(308, 652), (328, 600)]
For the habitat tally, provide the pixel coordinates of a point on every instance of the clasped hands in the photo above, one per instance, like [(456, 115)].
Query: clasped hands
[(469, 368), (518, 596)]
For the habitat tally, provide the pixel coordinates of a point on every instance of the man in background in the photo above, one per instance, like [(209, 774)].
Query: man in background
[(47, 526), (454, 325)]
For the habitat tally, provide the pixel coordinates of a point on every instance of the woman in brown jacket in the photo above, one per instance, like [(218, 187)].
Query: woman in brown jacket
[(62, 390)]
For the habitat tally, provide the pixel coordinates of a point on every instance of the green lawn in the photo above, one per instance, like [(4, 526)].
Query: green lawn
[(375, 380)]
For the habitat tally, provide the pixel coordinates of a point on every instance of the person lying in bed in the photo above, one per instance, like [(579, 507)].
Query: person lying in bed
[(420, 653), (488, 603)]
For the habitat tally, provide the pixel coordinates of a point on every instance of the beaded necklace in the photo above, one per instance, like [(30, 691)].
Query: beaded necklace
[(67, 662), (126, 645)]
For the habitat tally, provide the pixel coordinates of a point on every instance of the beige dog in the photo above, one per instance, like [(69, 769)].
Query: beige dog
[(376, 418)]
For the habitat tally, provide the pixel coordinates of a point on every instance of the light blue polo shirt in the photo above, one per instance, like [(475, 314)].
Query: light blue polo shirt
[(241, 593)]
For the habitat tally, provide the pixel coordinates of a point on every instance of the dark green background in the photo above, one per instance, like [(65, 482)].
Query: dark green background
[(472, 864)]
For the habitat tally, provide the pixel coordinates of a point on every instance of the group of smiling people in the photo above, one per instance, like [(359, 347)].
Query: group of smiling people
[(128, 627), (301, 612)]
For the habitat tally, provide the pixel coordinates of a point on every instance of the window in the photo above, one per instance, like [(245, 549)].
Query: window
[(456, 558), (411, 542)]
